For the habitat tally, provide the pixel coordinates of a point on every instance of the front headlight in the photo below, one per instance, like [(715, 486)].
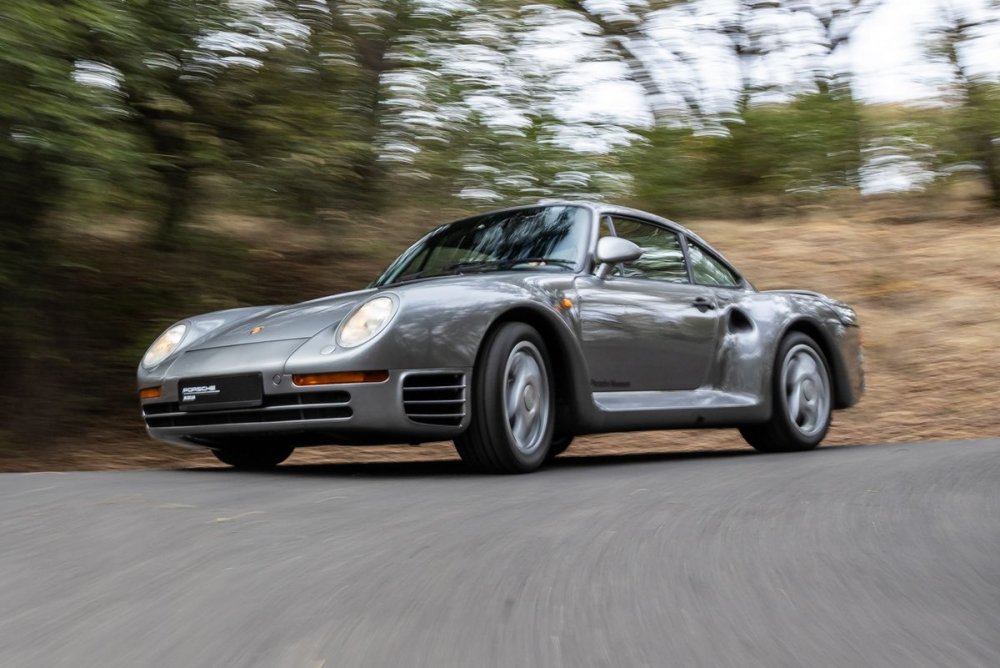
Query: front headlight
[(366, 322), (164, 344)]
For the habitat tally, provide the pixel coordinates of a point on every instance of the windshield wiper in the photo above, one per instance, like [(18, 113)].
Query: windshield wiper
[(509, 263), (462, 267), (539, 260)]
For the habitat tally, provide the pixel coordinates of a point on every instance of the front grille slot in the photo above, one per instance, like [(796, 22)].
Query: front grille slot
[(275, 408), (435, 398)]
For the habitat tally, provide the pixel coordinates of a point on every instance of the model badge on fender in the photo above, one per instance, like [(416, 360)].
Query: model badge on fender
[(257, 330)]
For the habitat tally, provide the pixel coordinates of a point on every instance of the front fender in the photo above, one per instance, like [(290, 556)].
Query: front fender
[(443, 324), (438, 324)]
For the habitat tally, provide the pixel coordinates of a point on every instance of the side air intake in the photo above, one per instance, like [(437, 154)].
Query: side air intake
[(435, 398)]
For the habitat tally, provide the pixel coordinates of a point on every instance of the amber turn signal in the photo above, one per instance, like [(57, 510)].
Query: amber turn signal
[(149, 393), (340, 377)]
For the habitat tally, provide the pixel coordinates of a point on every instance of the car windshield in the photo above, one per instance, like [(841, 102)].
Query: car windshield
[(550, 238)]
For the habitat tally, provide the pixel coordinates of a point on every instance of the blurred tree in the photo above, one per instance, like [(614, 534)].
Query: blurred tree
[(47, 118), (50, 126), (373, 31), (651, 62), (669, 173), (513, 142), (287, 135), (338, 107), (169, 58), (975, 134), (903, 147), (797, 125)]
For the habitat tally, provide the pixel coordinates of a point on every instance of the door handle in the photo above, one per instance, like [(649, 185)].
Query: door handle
[(703, 304)]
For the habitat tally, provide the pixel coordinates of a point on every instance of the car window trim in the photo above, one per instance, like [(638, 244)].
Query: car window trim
[(740, 281), (681, 238)]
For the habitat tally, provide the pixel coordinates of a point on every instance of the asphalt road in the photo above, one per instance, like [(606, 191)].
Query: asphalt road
[(861, 556)]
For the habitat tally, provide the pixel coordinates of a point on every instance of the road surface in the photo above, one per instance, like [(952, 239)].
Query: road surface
[(853, 556)]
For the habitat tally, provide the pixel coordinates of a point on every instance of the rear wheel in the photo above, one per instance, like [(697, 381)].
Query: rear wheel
[(802, 397), (513, 407), (253, 457)]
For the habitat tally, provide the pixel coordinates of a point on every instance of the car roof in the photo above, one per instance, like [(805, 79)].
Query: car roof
[(604, 208), (599, 207)]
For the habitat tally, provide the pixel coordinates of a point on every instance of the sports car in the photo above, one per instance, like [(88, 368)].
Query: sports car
[(510, 333)]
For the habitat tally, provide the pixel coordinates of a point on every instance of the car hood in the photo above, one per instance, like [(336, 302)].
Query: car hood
[(281, 323)]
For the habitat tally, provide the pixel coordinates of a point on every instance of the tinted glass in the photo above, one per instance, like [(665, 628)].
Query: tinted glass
[(709, 271), (662, 258), (549, 238)]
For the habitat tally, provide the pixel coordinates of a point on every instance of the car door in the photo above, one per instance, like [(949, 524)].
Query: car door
[(647, 326)]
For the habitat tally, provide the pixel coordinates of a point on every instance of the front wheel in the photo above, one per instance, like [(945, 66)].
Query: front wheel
[(513, 406), (253, 457), (802, 398)]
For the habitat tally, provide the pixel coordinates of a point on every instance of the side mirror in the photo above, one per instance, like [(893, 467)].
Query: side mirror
[(612, 251)]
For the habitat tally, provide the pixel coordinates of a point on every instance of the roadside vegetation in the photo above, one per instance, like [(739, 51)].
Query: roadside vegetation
[(159, 159)]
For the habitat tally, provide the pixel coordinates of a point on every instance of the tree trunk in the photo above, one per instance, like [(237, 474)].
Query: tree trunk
[(176, 204), (28, 187), (991, 166)]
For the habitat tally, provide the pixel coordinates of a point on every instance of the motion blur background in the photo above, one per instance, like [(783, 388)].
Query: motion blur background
[(160, 158)]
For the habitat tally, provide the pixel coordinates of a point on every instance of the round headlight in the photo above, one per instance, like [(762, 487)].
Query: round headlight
[(165, 344), (366, 322)]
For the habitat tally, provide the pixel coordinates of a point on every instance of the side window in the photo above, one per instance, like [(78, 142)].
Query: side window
[(662, 257), (709, 271)]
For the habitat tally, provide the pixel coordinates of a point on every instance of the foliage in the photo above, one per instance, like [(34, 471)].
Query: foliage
[(319, 111)]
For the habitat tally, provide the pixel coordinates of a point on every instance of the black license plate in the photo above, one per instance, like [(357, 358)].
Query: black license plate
[(220, 392)]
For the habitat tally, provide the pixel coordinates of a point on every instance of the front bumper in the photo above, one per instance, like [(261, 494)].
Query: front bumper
[(411, 406)]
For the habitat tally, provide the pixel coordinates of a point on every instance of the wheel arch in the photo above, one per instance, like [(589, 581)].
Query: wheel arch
[(838, 368), (568, 370)]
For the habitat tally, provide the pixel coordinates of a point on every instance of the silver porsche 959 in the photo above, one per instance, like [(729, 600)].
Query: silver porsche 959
[(510, 333)]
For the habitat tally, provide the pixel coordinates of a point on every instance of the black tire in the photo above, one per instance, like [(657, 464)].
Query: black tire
[(559, 446), (512, 364), (253, 457), (805, 430)]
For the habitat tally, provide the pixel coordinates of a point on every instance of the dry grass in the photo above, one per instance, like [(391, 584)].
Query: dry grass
[(924, 276)]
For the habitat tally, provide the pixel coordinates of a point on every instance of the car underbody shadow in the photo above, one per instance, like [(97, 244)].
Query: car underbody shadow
[(409, 469)]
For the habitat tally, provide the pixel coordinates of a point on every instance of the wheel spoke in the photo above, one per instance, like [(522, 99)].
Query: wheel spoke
[(511, 398), (521, 428), (517, 385), (805, 366), (809, 365), (809, 414), (795, 402)]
